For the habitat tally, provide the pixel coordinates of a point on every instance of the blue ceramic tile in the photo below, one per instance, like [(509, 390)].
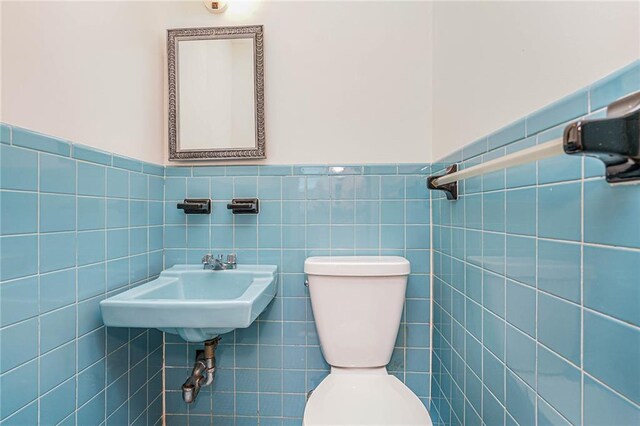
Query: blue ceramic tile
[(559, 269), (473, 282), (560, 168), (18, 168), (610, 282), (93, 155), (117, 213), (91, 179), (57, 251), (523, 175), (507, 134), (416, 187), (521, 355), (493, 373), (293, 187), (270, 188), (89, 317), (603, 407), (92, 280), (185, 171), (473, 149), (547, 416), (367, 212), (57, 174), (57, 289), (275, 170), (25, 416), (56, 405), (493, 211), (559, 326), (493, 334), (616, 85), (474, 184), (92, 411), (17, 301), (17, 258), (493, 252), (18, 344), (410, 169), (493, 296), (156, 188), (90, 247), (559, 211), (40, 142), (520, 400), (24, 378), (19, 213), (242, 170), (608, 345), (56, 328), (617, 225), (243, 187), (521, 307), (417, 211), (492, 411), (494, 180), (565, 109), (57, 213), (139, 213), (138, 240), (176, 189), (127, 163), (384, 169), (152, 169), (5, 134), (559, 384), (57, 366), (473, 211), (118, 273), (521, 211), (117, 243), (117, 183), (473, 313), (392, 187), (521, 259), (138, 186)]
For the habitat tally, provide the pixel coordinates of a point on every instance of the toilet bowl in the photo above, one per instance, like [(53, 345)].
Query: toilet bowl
[(357, 303)]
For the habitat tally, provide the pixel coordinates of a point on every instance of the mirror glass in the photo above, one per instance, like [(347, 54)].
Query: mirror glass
[(215, 93)]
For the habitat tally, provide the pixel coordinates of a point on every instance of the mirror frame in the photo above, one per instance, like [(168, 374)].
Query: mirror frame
[(254, 32)]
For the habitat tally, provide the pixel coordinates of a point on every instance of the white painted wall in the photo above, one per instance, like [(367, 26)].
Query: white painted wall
[(344, 82), (495, 62)]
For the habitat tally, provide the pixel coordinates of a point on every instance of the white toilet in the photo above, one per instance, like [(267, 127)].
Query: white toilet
[(357, 303)]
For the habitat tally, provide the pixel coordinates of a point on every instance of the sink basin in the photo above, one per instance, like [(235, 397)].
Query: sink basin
[(195, 303)]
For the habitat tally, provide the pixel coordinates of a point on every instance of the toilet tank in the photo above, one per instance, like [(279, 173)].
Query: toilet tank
[(357, 303)]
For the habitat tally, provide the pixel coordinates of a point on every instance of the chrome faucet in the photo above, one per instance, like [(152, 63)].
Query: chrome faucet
[(217, 264)]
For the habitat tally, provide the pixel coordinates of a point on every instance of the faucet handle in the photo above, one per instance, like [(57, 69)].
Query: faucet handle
[(231, 258), (206, 259)]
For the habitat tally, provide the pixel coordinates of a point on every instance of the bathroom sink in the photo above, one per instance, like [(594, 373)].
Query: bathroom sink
[(195, 303)]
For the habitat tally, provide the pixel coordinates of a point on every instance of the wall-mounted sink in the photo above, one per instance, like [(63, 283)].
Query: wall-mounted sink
[(194, 303)]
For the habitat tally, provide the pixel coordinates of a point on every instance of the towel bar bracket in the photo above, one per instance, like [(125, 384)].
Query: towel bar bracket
[(450, 189)]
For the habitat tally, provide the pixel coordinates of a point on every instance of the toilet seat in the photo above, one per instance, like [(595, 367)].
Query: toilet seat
[(372, 398)]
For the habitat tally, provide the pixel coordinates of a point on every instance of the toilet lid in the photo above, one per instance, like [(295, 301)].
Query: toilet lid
[(359, 399)]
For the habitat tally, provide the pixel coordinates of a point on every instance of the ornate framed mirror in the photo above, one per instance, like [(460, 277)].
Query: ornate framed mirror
[(216, 93)]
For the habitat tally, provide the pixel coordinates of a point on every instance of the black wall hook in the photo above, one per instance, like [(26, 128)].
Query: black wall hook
[(195, 206), (244, 206)]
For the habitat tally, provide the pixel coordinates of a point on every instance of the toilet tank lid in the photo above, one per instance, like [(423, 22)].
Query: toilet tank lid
[(354, 266)]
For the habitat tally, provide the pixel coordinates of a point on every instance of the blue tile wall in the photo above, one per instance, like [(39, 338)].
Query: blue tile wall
[(58, 363), (264, 372), (553, 337)]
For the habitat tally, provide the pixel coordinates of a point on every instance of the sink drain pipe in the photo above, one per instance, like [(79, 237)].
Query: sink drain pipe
[(203, 371)]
